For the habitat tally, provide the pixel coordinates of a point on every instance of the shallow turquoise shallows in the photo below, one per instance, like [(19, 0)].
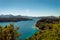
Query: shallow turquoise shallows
[(27, 28)]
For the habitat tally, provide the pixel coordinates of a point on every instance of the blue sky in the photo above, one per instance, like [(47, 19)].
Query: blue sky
[(30, 7)]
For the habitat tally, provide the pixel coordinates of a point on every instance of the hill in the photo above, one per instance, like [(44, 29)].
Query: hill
[(11, 18), (49, 29)]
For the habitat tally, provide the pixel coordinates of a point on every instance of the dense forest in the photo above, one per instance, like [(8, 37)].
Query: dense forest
[(49, 29)]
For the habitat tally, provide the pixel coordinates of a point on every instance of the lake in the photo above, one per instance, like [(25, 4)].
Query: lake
[(27, 28)]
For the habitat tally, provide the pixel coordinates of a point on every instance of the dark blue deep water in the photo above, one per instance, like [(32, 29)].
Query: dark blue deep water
[(27, 28)]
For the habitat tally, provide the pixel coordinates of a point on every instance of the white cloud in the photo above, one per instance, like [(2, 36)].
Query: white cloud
[(27, 12)]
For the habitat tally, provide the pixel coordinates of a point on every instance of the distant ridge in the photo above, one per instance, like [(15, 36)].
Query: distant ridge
[(12, 18)]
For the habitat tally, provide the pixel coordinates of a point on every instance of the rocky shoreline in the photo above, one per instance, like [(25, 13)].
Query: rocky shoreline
[(42, 23)]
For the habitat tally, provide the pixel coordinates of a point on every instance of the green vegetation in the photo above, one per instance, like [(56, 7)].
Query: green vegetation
[(48, 30), (9, 32)]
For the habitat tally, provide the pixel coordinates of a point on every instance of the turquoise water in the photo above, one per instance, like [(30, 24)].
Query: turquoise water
[(27, 28)]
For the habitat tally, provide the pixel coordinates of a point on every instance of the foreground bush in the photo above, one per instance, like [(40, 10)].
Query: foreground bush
[(8, 32)]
